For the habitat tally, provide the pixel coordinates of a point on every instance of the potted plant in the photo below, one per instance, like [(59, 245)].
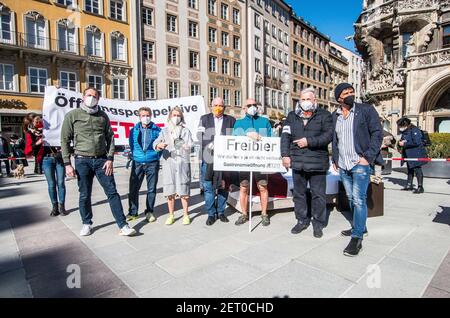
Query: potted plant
[(439, 149)]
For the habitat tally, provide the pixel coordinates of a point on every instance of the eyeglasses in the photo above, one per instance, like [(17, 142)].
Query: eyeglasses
[(250, 105)]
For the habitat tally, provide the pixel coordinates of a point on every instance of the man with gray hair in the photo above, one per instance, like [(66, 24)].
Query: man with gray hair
[(304, 148)]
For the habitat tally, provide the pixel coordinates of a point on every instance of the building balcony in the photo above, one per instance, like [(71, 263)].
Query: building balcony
[(43, 45), (436, 58)]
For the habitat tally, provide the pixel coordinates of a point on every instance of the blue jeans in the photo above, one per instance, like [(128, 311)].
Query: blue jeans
[(86, 169), (138, 170), (55, 173), (210, 195), (356, 182)]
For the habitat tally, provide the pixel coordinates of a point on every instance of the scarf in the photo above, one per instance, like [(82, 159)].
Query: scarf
[(89, 110)]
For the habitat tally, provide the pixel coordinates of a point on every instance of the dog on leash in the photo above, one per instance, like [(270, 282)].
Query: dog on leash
[(19, 172)]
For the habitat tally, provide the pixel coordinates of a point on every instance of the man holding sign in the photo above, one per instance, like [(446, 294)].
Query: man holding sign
[(89, 129), (255, 127)]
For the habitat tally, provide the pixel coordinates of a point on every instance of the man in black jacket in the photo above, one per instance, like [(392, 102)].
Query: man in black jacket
[(357, 140), (212, 124), (305, 137)]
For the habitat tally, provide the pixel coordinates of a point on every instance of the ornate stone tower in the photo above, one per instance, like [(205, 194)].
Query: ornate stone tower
[(406, 47)]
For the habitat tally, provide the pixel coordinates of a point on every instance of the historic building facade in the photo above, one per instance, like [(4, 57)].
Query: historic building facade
[(310, 61), (406, 46), (68, 43), (339, 66)]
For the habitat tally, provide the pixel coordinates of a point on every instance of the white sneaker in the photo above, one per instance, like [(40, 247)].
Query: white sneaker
[(127, 231), (85, 230), (150, 217)]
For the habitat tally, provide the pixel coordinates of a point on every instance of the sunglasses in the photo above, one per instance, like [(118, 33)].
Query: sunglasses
[(250, 105)]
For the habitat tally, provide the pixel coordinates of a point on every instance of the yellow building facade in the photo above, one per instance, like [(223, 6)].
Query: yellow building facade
[(68, 43)]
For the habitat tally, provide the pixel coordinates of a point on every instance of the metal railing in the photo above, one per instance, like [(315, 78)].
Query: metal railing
[(31, 41)]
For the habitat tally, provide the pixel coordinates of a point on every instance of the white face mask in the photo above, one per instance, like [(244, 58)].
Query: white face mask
[(252, 110), (175, 120), (90, 101), (145, 120), (307, 106), (402, 129)]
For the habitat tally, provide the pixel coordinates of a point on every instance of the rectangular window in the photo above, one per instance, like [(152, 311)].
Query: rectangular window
[(171, 23), (193, 29), (150, 88), (212, 7), (6, 77), (257, 66), (174, 90), (92, 6), (225, 67), (236, 42), (195, 89), (147, 16), (68, 80), (116, 10), (237, 69), (37, 79), (65, 2), (66, 39), (225, 39), (96, 82), (224, 11), (172, 55), (237, 98), (226, 96), (193, 60), (257, 21), (274, 99), (192, 4), (213, 93), (5, 27), (148, 51), (213, 64), (257, 43), (236, 16), (212, 35), (258, 93), (267, 96), (119, 88), (446, 35)]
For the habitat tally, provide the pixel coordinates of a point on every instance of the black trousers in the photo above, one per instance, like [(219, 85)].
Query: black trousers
[(317, 183)]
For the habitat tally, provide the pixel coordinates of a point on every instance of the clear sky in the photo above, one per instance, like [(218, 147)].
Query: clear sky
[(332, 18)]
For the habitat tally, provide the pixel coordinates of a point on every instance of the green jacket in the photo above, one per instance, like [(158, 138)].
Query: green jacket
[(92, 135)]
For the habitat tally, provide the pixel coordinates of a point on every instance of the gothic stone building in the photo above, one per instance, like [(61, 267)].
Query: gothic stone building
[(406, 46)]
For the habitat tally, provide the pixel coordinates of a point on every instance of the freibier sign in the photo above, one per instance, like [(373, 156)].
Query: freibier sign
[(241, 153)]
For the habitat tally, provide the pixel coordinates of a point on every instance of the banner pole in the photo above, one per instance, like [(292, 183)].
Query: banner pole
[(250, 203)]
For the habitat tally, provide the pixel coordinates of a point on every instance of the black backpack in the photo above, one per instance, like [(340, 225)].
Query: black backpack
[(426, 141)]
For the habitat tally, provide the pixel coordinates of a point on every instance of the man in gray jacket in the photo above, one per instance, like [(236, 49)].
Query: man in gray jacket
[(90, 131)]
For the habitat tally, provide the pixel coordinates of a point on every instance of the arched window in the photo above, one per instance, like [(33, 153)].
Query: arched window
[(7, 26), (35, 30), (94, 41), (118, 47), (66, 36)]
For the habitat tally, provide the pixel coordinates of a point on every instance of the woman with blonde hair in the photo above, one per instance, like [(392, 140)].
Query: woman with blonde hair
[(175, 143)]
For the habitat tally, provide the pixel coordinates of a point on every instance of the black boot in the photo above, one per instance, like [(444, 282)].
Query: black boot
[(409, 184), (62, 209), (55, 211), (420, 185), (353, 247)]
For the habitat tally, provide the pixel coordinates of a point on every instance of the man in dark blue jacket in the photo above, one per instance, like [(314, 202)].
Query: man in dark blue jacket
[(145, 163), (357, 140)]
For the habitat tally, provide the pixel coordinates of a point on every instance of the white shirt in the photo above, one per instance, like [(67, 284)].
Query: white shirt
[(218, 125)]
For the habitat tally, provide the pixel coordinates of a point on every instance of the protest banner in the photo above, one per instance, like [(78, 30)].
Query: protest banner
[(122, 114)]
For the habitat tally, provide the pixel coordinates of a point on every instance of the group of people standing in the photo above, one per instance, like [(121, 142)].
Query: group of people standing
[(354, 131)]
